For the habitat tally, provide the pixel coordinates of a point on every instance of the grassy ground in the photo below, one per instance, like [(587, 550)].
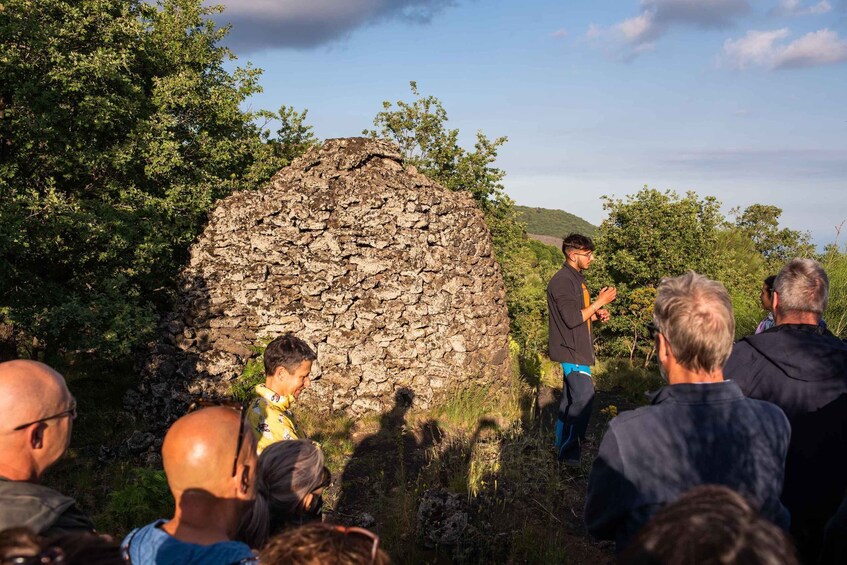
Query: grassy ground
[(489, 451)]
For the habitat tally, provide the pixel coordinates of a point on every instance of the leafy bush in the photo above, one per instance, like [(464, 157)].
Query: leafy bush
[(253, 374), (143, 499)]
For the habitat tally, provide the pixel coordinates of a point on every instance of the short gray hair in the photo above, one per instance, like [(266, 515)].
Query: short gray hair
[(802, 286), (694, 314)]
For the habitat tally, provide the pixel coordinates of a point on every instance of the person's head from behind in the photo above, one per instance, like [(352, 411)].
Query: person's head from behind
[(767, 293), (693, 316), (288, 362), (290, 480), (22, 546), (36, 416), (209, 458), (709, 524), (317, 543), (578, 250), (801, 289)]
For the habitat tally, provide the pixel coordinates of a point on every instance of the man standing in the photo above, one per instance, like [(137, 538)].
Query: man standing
[(802, 368), (700, 429), (571, 342), (36, 416), (210, 462), (288, 362)]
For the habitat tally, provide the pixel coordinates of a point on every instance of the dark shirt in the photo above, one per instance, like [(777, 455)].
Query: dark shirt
[(834, 550), (44, 510), (692, 434), (802, 369), (570, 338)]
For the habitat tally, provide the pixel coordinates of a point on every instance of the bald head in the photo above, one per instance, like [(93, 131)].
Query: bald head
[(35, 418), (199, 451), (29, 391)]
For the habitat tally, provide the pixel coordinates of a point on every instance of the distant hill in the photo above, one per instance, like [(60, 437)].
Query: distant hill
[(550, 226)]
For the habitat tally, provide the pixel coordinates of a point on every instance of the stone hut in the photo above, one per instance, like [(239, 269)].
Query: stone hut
[(387, 275)]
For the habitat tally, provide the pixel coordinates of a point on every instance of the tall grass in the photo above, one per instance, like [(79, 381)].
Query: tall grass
[(835, 264)]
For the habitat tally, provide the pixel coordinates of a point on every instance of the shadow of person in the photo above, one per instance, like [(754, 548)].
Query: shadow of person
[(383, 464)]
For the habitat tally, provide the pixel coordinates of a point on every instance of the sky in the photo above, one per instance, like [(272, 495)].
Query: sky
[(743, 100)]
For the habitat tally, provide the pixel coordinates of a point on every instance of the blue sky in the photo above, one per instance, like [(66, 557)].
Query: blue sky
[(739, 99)]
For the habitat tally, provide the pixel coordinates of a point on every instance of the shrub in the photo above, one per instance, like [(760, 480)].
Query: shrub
[(143, 499)]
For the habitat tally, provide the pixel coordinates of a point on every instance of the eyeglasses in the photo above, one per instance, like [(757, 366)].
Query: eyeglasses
[(347, 530), (235, 405), (69, 412), (586, 254)]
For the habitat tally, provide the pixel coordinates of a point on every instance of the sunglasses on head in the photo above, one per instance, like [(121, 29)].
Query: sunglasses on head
[(347, 530), (235, 405)]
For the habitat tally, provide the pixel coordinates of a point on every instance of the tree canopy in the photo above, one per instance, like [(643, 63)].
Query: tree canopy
[(119, 127)]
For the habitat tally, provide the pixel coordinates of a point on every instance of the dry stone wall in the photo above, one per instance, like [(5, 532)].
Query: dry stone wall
[(389, 276)]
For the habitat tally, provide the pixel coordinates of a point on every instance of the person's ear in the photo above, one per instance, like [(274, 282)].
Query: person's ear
[(774, 302), (36, 435), (307, 501), (245, 482), (664, 348)]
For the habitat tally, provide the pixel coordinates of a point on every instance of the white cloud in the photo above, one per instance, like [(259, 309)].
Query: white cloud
[(796, 8), (261, 24), (822, 47), (640, 29), (756, 48), (560, 33), (638, 34), (763, 49)]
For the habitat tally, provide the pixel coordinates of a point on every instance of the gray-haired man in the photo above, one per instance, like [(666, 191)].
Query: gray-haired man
[(802, 368), (700, 429)]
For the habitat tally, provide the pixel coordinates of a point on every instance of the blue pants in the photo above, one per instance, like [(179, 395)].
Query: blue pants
[(574, 411)]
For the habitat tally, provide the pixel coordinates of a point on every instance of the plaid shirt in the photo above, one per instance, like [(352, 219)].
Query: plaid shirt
[(269, 417)]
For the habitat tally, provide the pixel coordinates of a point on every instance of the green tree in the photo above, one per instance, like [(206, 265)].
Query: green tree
[(119, 127), (742, 269), (760, 223), (648, 236), (419, 129), (653, 234)]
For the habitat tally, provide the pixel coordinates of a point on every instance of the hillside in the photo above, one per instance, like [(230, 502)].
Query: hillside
[(553, 223)]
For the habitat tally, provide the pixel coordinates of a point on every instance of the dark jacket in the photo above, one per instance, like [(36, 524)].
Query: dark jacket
[(803, 370), (834, 549), (570, 338), (692, 434), (41, 508)]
